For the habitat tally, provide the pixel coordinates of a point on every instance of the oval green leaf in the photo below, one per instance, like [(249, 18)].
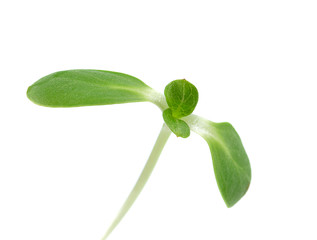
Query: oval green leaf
[(181, 97), (177, 126), (74, 88), (230, 161)]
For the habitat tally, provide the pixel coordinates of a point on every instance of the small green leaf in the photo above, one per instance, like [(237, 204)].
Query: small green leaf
[(75, 88), (230, 161), (181, 97), (177, 126)]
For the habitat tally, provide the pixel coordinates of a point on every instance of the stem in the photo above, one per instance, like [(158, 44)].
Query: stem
[(147, 170), (158, 99), (200, 125)]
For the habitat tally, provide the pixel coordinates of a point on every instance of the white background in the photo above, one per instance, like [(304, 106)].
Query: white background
[(64, 173)]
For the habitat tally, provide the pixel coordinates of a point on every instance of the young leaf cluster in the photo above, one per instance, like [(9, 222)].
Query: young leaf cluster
[(181, 97), (75, 88)]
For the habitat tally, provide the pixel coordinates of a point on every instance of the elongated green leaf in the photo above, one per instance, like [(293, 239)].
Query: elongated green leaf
[(75, 88), (230, 161)]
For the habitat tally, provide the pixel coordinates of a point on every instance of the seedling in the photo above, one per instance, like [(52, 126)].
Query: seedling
[(75, 88)]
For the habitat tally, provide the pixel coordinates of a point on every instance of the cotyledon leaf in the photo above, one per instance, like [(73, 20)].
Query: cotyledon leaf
[(74, 88), (230, 161)]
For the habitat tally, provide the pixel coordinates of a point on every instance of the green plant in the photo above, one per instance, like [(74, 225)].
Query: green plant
[(76, 88)]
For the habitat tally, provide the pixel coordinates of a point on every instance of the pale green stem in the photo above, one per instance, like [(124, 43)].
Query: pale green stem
[(147, 170), (158, 99)]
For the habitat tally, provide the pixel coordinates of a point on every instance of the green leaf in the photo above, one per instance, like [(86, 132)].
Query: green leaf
[(230, 161), (181, 97), (177, 126), (75, 88)]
